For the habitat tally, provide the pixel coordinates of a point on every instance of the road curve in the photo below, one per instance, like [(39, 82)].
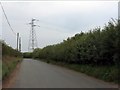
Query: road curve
[(38, 74)]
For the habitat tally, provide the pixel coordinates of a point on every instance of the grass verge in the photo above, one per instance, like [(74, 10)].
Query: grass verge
[(106, 73), (8, 65), (0, 69)]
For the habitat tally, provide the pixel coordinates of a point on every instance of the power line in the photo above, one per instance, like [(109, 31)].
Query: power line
[(7, 19), (18, 40)]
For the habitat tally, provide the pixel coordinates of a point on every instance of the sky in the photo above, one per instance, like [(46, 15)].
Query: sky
[(58, 20)]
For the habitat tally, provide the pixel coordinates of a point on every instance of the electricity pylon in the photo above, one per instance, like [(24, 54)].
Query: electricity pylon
[(32, 38)]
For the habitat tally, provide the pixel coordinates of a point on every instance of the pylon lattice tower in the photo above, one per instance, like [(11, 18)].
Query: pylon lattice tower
[(32, 37)]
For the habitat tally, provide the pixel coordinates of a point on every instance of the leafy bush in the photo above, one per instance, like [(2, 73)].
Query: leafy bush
[(9, 51), (97, 47)]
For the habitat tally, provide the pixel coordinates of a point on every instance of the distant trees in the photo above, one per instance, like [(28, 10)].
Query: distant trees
[(96, 47), (27, 55)]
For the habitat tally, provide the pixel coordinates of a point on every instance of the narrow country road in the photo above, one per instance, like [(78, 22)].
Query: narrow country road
[(38, 74)]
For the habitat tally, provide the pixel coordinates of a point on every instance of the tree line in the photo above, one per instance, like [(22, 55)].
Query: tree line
[(100, 46)]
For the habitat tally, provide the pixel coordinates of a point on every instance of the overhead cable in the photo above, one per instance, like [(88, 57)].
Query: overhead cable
[(7, 19)]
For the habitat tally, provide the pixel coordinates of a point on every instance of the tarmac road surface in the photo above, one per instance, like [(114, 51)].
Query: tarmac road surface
[(38, 74)]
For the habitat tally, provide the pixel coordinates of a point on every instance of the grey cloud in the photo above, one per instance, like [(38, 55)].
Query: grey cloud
[(57, 20)]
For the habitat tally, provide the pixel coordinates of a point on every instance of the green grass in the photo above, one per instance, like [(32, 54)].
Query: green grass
[(0, 70), (106, 73), (8, 68)]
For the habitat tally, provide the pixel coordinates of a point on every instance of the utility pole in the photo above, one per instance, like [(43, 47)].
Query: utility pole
[(32, 38), (17, 41), (20, 44)]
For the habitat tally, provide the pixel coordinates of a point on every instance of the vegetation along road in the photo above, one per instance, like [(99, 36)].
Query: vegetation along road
[(38, 74)]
